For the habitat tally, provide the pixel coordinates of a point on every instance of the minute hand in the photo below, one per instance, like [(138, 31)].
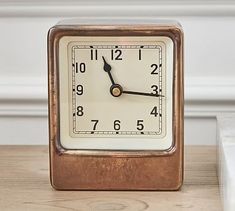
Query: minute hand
[(142, 93)]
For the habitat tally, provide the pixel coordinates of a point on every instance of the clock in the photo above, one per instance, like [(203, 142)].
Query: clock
[(116, 106)]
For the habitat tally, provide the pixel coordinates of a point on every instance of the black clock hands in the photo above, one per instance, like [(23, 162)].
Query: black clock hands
[(107, 68), (142, 93), (116, 90)]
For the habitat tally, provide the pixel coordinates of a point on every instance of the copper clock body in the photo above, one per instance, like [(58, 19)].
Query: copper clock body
[(91, 169)]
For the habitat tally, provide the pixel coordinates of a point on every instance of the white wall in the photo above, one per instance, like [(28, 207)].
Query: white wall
[(209, 60)]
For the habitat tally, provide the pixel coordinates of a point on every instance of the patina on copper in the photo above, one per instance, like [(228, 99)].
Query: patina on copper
[(110, 169)]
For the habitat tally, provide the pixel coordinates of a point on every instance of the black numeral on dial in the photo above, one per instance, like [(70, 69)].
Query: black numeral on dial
[(140, 125), (95, 123), (154, 111), (79, 89), (154, 67), (155, 89), (80, 67), (80, 111), (116, 54), (140, 56), (94, 54), (140, 52), (116, 125)]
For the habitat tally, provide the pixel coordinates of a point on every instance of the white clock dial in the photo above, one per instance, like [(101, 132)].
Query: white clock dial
[(139, 108), (116, 92)]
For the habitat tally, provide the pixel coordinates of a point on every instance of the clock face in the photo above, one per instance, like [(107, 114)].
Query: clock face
[(116, 92)]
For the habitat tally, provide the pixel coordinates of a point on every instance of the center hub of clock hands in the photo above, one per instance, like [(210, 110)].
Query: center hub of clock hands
[(116, 90)]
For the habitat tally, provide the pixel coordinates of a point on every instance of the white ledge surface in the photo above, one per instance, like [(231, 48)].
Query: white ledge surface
[(226, 159)]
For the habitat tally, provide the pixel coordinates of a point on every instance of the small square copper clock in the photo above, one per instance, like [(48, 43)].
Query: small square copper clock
[(116, 106)]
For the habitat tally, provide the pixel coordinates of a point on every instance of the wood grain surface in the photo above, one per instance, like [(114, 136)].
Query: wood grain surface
[(24, 185)]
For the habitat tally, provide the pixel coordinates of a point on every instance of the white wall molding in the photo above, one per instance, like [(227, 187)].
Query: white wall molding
[(23, 97), (208, 97), (204, 97), (121, 8)]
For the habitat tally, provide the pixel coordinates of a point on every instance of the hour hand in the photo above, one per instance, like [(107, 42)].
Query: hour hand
[(142, 93), (107, 68)]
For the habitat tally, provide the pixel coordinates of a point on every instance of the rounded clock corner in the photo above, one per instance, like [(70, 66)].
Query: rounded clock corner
[(52, 32), (178, 185), (56, 33), (54, 184), (171, 149), (175, 33), (177, 29), (62, 147)]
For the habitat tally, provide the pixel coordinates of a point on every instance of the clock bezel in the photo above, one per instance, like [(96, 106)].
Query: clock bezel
[(69, 100), (57, 152)]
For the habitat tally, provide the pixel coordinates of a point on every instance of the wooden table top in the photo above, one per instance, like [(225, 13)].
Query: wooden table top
[(24, 185)]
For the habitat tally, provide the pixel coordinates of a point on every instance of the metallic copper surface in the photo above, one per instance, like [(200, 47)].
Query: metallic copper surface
[(107, 169)]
